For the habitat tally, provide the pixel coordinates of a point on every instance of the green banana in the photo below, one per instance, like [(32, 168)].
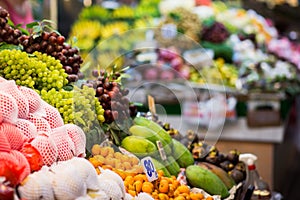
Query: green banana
[(142, 121), (222, 174), (150, 135), (203, 178), (139, 146)]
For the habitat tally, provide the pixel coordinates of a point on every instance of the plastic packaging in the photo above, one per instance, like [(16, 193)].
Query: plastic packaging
[(261, 188)]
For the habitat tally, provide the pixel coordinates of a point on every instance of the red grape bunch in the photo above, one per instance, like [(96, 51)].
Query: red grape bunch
[(7, 33), (112, 96), (54, 44)]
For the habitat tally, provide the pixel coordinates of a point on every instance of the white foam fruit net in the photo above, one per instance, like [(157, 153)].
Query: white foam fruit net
[(8, 108), (27, 128), (4, 144), (33, 98), (13, 135), (78, 137), (64, 143), (52, 115), (11, 88), (46, 146), (40, 123)]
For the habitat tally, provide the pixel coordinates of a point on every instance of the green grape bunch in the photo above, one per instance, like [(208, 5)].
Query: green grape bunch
[(37, 71), (78, 106)]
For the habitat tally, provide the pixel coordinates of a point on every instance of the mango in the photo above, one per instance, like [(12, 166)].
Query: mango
[(182, 154), (159, 166), (139, 146), (150, 135), (172, 166), (200, 177), (155, 127)]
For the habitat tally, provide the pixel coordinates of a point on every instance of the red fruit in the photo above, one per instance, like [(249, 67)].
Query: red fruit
[(52, 39), (60, 40), (4, 144), (33, 157), (6, 192), (27, 128), (52, 116), (65, 145), (11, 88), (8, 108), (13, 135), (10, 169), (47, 148), (22, 162), (40, 123), (34, 99)]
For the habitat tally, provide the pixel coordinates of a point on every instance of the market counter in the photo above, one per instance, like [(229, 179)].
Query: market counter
[(237, 135)]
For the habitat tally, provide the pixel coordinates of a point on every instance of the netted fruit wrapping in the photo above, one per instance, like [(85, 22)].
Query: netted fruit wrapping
[(13, 135), (52, 115), (4, 144), (87, 172), (78, 137), (67, 185), (10, 169), (27, 128), (64, 143), (45, 145), (22, 162), (37, 185), (33, 98), (40, 123), (11, 88), (111, 189), (8, 108)]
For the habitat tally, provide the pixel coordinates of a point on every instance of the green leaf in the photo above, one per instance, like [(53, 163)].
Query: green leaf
[(4, 46), (31, 25)]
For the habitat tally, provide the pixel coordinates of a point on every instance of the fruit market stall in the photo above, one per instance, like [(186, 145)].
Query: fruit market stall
[(69, 129)]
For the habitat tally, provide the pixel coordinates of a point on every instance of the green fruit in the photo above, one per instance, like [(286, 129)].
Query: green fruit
[(221, 173), (200, 177), (150, 135), (159, 166), (154, 127), (172, 166), (139, 146), (181, 154)]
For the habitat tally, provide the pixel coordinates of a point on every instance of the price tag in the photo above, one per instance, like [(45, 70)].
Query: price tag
[(161, 150), (151, 105), (149, 169)]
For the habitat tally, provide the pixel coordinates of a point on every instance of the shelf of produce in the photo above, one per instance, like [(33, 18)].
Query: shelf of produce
[(237, 135)]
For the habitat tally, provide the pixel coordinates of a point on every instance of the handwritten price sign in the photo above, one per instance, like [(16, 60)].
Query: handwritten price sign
[(149, 169)]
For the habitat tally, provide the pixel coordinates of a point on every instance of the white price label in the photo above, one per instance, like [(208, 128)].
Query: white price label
[(149, 169)]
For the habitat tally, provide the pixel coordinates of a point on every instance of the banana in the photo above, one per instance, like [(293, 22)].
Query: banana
[(203, 178), (150, 135), (222, 174)]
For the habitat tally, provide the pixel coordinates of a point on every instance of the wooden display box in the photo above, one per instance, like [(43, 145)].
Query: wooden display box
[(264, 110)]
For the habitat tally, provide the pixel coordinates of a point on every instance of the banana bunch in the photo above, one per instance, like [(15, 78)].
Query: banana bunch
[(95, 12), (123, 12), (86, 32), (147, 8), (115, 28)]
